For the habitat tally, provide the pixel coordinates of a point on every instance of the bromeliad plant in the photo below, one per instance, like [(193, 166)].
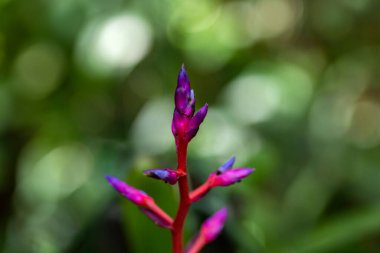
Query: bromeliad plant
[(185, 126)]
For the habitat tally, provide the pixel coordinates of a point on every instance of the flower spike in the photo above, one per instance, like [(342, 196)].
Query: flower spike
[(166, 175), (185, 124)]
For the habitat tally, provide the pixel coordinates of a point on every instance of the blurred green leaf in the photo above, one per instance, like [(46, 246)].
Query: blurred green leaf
[(346, 228), (142, 234)]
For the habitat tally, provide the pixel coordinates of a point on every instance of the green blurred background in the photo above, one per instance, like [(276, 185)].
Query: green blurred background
[(86, 90)]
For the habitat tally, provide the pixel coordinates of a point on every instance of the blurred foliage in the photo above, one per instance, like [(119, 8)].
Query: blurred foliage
[(86, 90)]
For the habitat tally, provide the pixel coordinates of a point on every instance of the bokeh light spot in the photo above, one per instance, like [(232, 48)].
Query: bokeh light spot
[(56, 174), (365, 124), (252, 98), (271, 18), (221, 137), (38, 70), (151, 129), (116, 43)]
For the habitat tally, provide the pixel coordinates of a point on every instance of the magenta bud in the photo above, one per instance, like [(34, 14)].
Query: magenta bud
[(156, 218), (179, 123), (166, 175), (135, 195), (196, 121), (213, 226), (229, 177), (226, 166)]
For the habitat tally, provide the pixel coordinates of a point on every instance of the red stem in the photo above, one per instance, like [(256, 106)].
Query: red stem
[(184, 204)]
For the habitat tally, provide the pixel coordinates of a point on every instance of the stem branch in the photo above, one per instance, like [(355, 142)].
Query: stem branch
[(200, 192)]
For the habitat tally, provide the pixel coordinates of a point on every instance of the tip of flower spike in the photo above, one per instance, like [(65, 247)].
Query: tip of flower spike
[(166, 175), (183, 79), (213, 226), (227, 165), (182, 96)]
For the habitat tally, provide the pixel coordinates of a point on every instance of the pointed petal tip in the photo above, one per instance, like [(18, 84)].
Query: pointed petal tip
[(224, 211), (204, 109), (118, 185), (213, 226), (149, 172), (202, 112), (182, 76), (112, 180), (155, 173), (247, 171), (227, 165), (221, 214)]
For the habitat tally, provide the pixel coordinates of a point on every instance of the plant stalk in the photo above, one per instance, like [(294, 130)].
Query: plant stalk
[(184, 203)]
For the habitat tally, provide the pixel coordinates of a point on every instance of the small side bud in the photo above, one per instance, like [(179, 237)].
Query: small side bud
[(137, 196), (196, 121), (213, 226), (145, 202), (229, 177), (166, 175)]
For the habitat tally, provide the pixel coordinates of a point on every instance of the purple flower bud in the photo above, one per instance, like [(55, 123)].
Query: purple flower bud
[(226, 166), (185, 124), (156, 218), (183, 97), (213, 226), (136, 196), (196, 121), (167, 175), (229, 177)]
